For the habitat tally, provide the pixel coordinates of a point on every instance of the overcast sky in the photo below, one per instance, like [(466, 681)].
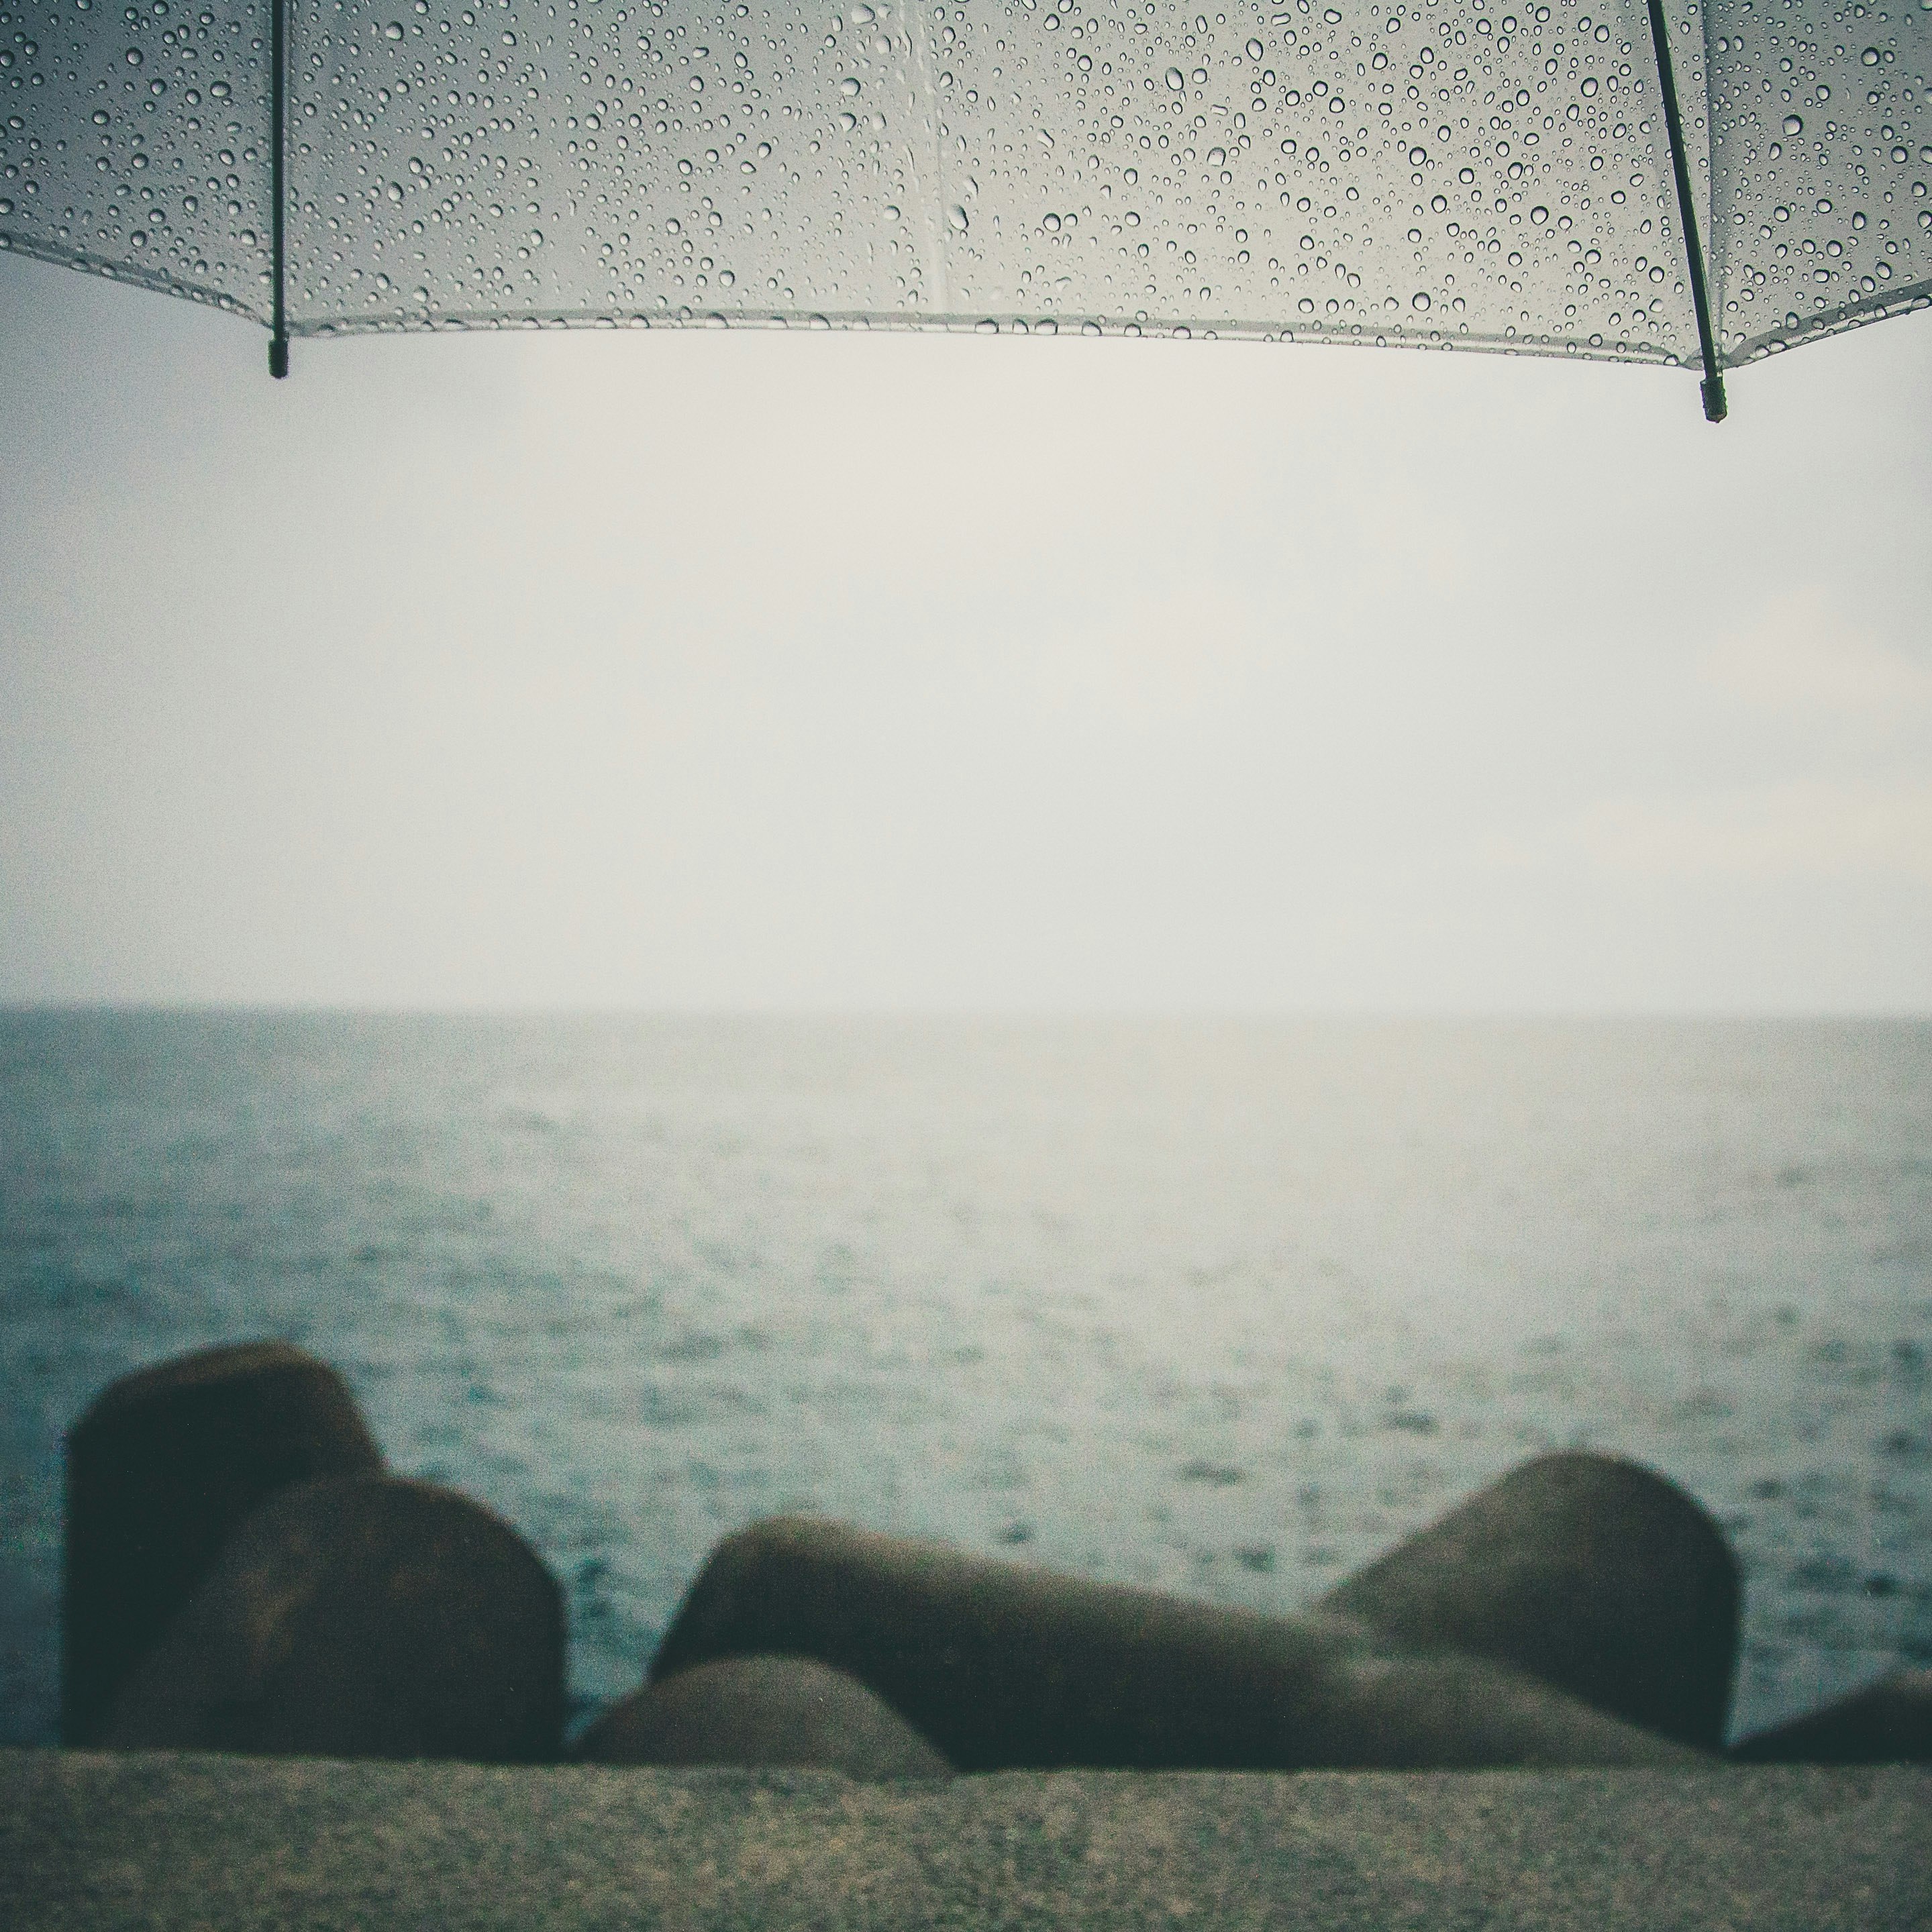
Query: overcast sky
[(714, 670)]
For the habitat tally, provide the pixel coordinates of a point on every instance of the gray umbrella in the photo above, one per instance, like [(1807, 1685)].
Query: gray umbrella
[(1495, 174)]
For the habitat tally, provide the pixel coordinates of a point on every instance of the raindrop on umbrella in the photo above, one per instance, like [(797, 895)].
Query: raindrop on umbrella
[(611, 119)]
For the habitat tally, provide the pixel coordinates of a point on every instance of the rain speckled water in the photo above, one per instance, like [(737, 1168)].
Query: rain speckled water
[(1221, 1307)]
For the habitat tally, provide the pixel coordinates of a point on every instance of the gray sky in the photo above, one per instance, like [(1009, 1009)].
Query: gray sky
[(719, 671)]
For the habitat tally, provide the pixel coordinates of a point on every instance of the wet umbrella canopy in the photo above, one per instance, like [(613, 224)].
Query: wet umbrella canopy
[(1570, 177)]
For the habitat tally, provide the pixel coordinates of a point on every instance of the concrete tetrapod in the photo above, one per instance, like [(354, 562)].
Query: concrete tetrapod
[(161, 1470), (763, 1710), (1589, 1572), (1890, 1723), (361, 1617), (1004, 1667)]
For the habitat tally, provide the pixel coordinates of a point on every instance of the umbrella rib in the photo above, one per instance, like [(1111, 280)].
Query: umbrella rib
[(1715, 407), (278, 340)]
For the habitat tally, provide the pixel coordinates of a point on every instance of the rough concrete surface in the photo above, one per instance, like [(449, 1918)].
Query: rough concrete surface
[(154, 1840)]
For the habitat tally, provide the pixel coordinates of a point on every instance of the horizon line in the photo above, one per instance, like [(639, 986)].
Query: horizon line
[(914, 1011)]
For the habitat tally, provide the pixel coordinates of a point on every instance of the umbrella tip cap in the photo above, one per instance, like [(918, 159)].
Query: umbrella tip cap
[(278, 356), (1715, 407)]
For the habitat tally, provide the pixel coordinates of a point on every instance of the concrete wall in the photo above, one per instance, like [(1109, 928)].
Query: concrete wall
[(166, 1840)]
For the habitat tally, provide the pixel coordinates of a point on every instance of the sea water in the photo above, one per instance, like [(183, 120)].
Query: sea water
[(1223, 1308)]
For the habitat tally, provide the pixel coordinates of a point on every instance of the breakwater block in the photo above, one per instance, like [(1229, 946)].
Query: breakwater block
[(1891, 1722), (778, 1710), (1592, 1573), (360, 1617), (1002, 1666), (160, 1471)]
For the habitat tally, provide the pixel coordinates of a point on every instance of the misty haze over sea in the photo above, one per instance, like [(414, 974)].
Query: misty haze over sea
[(1221, 1307)]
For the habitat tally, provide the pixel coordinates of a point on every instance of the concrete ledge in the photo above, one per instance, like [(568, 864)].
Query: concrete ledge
[(96, 1841)]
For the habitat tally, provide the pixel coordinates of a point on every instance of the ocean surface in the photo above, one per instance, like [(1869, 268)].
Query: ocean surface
[(1225, 1308)]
